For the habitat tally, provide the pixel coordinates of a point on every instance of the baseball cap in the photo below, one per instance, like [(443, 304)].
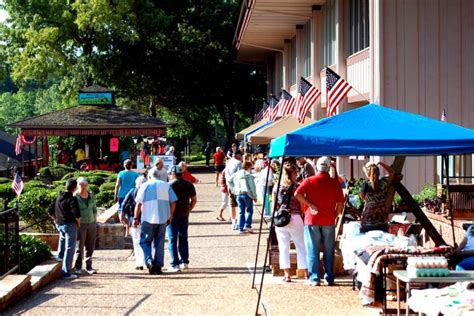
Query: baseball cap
[(176, 170), (323, 164)]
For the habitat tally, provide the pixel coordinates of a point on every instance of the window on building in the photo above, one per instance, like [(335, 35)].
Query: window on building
[(307, 50), (329, 33), (293, 61), (358, 25)]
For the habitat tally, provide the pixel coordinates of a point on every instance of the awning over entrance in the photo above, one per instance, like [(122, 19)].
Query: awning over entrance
[(374, 130), (281, 127), (92, 120)]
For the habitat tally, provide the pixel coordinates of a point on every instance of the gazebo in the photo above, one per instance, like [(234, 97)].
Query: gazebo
[(95, 115)]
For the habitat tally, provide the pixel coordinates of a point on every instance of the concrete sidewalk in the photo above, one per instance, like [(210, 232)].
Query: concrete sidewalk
[(217, 283)]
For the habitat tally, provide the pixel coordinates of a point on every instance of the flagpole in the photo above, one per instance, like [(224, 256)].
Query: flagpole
[(368, 101)]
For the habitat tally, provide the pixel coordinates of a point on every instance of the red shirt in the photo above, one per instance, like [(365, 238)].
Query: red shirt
[(219, 158), (189, 177), (324, 192)]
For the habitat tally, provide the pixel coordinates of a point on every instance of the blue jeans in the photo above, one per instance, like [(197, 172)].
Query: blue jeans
[(153, 233), (245, 204), (178, 241), (466, 264), (67, 242), (313, 236), (61, 244)]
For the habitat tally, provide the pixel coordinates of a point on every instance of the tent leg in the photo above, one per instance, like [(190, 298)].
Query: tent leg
[(420, 216), (448, 198), (397, 167), (272, 225), (265, 196)]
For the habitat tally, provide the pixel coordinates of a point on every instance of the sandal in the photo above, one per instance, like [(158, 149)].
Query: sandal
[(287, 279), (220, 219)]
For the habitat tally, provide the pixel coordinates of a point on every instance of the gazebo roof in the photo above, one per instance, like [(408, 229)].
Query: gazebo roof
[(92, 120)]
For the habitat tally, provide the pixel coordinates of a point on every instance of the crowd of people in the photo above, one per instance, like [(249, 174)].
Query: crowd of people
[(151, 205)]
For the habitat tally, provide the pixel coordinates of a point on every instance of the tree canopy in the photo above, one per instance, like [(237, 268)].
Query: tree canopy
[(170, 56)]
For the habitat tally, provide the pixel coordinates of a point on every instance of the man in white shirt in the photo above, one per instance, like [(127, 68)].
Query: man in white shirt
[(232, 166), (160, 166), (155, 203)]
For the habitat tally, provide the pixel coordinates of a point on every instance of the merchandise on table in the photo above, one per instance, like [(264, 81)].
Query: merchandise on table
[(427, 267)]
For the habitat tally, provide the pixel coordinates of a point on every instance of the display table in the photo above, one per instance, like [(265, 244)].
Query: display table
[(402, 275)]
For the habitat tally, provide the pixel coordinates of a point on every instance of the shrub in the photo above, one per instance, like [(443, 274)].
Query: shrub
[(108, 186), (33, 251), (102, 173), (94, 188), (105, 198), (4, 180), (428, 192), (112, 178), (60, 184), (34, 208), (34, 184), (56, 172), (95, 180), (6, 191)]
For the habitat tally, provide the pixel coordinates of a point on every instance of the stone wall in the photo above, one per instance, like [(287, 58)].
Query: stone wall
[(110, 236)]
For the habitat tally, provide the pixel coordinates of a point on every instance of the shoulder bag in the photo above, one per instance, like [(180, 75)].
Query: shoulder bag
[(283, 215)]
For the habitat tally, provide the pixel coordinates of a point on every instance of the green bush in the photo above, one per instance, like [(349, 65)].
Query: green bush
[(60, 184), (94, 188), (33, 251), (102, 173), (108, 186), (112, 178), (5, 180), (6, 191), (95, 180), (105, 199), (35, 184), (34, 208), (56, 172), (428, 192)]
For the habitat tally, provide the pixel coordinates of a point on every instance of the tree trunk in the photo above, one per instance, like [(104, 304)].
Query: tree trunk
[(228, 117), (152, 107)]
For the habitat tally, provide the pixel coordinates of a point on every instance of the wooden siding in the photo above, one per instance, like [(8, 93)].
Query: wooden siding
[(358, 75)]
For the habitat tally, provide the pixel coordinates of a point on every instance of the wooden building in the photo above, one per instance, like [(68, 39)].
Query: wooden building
[(413, 55)]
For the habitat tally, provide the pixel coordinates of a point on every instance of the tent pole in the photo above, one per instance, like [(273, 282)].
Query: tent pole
[(397, 167), (265, 196), (448, 198), (272, 225)]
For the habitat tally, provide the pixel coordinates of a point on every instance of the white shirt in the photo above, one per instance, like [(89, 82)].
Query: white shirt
[(470, 238), (155, 196)]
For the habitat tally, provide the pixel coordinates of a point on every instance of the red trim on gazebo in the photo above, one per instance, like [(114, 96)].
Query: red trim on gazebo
[(113, 132)]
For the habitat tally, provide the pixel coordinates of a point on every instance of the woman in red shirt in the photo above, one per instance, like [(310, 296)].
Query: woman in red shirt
[(219, 163), (186, 174)]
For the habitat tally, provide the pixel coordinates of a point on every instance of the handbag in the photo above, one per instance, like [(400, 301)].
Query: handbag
[(282, 217)]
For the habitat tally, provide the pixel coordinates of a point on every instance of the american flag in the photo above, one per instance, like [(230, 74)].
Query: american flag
[(17, 184), (284, 103), (307, 95), (272, 108), (258, 116), (266, 110), (444, 116), (18, 145), (337, 89)]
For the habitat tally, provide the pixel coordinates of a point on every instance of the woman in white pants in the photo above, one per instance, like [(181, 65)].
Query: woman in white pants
[(126, 216), (295, 229)]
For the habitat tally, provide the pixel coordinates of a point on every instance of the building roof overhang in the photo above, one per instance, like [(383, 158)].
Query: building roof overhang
[(265, 24)]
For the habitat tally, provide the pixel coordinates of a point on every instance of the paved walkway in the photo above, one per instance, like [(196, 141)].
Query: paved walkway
[(218, 282)]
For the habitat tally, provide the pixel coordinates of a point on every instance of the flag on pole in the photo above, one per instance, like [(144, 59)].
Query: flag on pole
[(266, 110), (285, 100), (17, 184), (258, 116), (337, 89), (444, 116), (307, 95), (273, 108), (18, 145)]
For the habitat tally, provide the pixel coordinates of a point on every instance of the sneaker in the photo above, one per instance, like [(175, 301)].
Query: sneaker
[(70, 276), (77, 271), (312, 283), (151, 268), (139, 268), (235, 226), (91, 271), (242, 232), (326, 283), (174, 269), (184, 266), (157, 270), (248, 230)]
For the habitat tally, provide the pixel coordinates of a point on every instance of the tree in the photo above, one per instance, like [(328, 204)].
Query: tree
[(173, 54)]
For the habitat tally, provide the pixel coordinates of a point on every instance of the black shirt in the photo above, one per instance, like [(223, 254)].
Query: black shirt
[(184, 191), (65, 209)]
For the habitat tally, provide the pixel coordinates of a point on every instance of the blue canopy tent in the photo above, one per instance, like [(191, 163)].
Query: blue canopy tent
[(374, 130)]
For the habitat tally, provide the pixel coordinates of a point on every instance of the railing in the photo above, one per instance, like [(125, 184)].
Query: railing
[(9, 242), (358, 75)]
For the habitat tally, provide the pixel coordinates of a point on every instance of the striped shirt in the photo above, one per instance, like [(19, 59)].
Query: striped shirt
[(155, 196)]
